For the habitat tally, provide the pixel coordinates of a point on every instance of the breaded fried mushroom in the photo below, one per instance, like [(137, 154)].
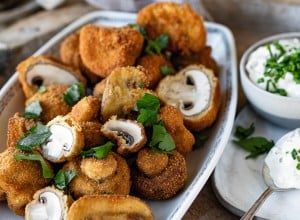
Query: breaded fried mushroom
[(179, 21), (2, 195), (99, 89), (92, 134), (48, 203), (124, 87), (110, 175), (164, 184), (52, 102), (102, 49), (17, 127), (129, 135), (110, 207), (173, 121), (20, 179), (153, 65), (44, 71), (69, 54)]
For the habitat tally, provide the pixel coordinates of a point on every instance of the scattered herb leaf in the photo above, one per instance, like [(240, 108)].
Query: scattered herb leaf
[(243, 133), (165, 70), (63, 178), (140, 29), (148, 107), (157, 45), (99, 152), (42, 89), (296, 156), (33, 110), (47, 171), (255, 145), (37, 135), (200, 139), (161, 139), (74, 93)]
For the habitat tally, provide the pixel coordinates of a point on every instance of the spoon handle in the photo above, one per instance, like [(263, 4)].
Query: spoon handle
[(251, 212)]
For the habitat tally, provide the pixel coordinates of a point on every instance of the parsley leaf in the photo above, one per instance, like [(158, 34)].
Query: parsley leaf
[(63, 178), (148, 106), (165, 70), (47, 171), (74, 93), (161, 139), (243, 133), (157, 45), (200, 139), (140, 29), (255, 145), (37, 135), (99, 152), (33, 110)]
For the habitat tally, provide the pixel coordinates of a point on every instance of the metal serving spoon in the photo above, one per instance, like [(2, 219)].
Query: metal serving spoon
[(271, 188)]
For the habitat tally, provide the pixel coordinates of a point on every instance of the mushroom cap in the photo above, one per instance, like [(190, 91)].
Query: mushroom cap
[(48, 203), (195, 92), (99, 169), (66, 140), (44, 70), (122, 90), (184, 26), (164, 185), (150, 162), (103, 49), (129, 134), (110, 207), (119, 183)]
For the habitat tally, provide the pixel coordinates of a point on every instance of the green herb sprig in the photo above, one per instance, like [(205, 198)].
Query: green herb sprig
[(254, 145), (63, 178), (47, 171), (165, 70), (99, 152), (37, 135), (278, 65), (74, 93), (296, 156), (148, 107)]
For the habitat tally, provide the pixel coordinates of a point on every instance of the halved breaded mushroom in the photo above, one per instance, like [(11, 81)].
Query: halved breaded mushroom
[(48, 203), (20, 179), (195, 92), (17, 127), (43, 71), (66, 140), (124, 86), (164, 184), (130, 135), (110, 207), (103, 49), (110, 175), (51, 101), (173, 121)]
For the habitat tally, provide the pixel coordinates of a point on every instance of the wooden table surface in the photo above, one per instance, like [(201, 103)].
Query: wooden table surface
[(206, 205)]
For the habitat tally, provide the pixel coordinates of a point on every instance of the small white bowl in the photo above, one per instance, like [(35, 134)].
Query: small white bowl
[(281, 110)]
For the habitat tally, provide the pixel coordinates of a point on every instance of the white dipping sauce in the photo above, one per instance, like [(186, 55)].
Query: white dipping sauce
[(257, 62), (282, 165)]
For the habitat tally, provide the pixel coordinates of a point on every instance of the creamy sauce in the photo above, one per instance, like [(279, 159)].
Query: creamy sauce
[(257, 62), (282, 165)]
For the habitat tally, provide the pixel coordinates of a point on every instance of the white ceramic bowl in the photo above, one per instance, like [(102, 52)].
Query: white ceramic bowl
[(281, 110)]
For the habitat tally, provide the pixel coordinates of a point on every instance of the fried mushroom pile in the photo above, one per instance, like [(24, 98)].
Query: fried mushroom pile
[(114, 116)]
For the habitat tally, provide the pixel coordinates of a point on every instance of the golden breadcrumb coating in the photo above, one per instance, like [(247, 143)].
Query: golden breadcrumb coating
[(17, 127), (52, 102), (183, 25), (20, 179), (173, 121), (152, 65), (102, 49), (164, 185)]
